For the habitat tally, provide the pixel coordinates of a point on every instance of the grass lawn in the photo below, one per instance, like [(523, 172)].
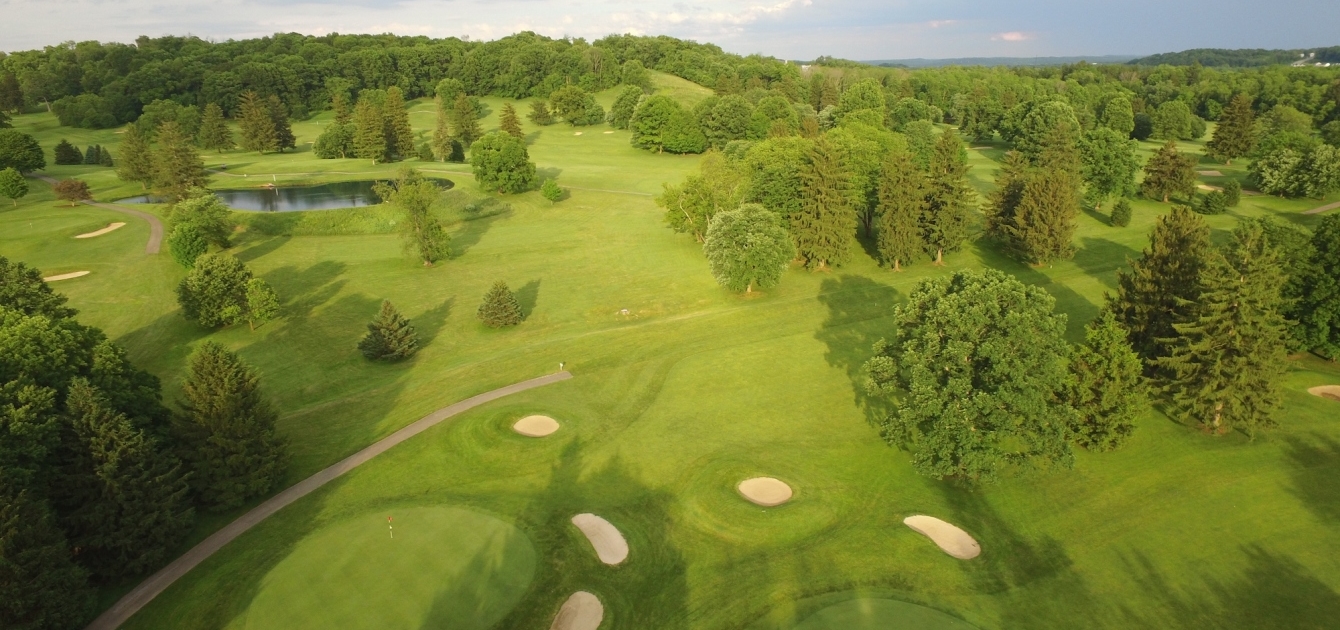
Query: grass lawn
[(671, 406)]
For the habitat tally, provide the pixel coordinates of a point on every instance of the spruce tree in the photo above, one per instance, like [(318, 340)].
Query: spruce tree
[(825, 225), (1235, 135), (1044, 221), (540, 114), (177, 166), (1121, 213), (41, 587), (902, 200), (105, 157), (67, 154), (1226, 364), (339, 106), (1003, 201), (127, 499), (137, 159), (509, 122), (1168, 172), (1317, 310), (500, 307), (441, 131), (944, 225), (214, 133), (1163, 286), (284, 138), (1109, 391), (464, 120), (369, 132), (390, 336), (399, 135), (91, 155), (256, 124), (228, 430)]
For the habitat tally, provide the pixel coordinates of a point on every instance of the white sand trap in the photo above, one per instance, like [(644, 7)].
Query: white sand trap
[(1326, 391), (110, 227), (582, 611), (1210, 173), (609, 543), (765, 491), (609, 132), (535, 426), (577, 134), (1208, 187), (65, 276), (952, 540)]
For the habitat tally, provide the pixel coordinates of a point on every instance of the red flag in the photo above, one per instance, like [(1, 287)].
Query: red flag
[(388, 519)]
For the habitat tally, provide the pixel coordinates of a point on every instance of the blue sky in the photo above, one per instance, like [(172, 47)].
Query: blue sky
[(793, 29)]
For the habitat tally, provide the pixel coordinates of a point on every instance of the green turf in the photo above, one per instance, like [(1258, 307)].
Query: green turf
[(880, 614), (438, 568), (693, 391)]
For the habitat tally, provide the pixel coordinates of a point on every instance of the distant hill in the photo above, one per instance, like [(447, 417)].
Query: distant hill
[(998, 61), (1242, 57)]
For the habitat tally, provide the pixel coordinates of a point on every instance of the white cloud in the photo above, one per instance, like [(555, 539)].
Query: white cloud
[(1012, 36), (939, 23)]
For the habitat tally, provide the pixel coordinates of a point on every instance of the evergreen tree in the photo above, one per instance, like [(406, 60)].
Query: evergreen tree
[(262, 302), (177, 165), (137, 159), (1317, 309), (1121, 213), (105, 157), (369, 132), (540, 114), (284, 138), (1109, 391), (500, 307), (67, 154), (22, 290), (12, 185), (824, 226), (390, 336), (1044, 221), (1168, 172), (500, 162), (339, 106), (214, 293), (902, 200), (126, 501), (91, 155), (1227, 362), (416, 195), (228, 430), (256, 124), (441, 131), (1235, 136), (399, 135), (1003, 201), (464, 121), (41, 588), (944, 226), (748, 247), (509, 123), (1232, 192), (214, 133), (1163, 286)]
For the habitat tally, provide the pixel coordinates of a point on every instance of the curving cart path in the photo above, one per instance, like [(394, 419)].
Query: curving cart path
[(155, 225), (133, 601)]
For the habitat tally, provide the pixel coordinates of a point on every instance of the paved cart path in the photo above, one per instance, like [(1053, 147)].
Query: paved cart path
[(136, 599), (1329, 206), (155, 226)]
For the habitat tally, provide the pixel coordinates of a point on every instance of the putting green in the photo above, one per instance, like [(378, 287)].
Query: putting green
[(445, 568), (881, 614)]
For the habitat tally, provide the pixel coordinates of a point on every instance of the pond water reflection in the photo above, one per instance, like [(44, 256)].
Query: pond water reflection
[(296, 198)]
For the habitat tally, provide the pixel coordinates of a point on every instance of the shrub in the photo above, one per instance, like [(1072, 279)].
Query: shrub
[(1212, 203), (1232, 193), (1121, 213), (67, 154), (551, 191)]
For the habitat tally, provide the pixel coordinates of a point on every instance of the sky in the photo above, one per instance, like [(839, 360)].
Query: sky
[(789, 29)]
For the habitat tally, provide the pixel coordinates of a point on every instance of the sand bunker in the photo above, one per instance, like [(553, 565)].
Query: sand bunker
[(609, 543), (609, 132), (1326, 391), (1208, 187), (110, 227), (535, 426), (765, 491), (577, 134), (952, 540), (1210, 173), (65, 276), (582, 611)]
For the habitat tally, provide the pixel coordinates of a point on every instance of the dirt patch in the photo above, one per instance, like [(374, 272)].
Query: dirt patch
[(65, 276), (949, 538), (110, 227), (609, 543), (765, 491), (582, 611), (1331, 392), (1210, 173), (535, 426)]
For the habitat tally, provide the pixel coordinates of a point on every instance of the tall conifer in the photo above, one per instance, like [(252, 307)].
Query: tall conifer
[(500, 307), (944, 225), (1317, 310), (284, 138), (1003, 201), (1162, 287), (256, 124), (214, 133), (1168, 172), (137, 159), (1109, 390), (441, 131), (825, 225), (390, 336), (464, 120), (509, 122), (399, 135), (177, 165), (339, 106), (40, 585), (902, 199), (1235, 135), (369, 132)]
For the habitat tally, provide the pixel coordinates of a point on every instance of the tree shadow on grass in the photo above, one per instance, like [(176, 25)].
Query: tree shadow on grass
[(1078, 309), (859, 314), (526, 297), (1009, 559), (475, 220), (430, 322), (1316, 474), (261, 248), (547, 172), (300, 291), (1101, 258)]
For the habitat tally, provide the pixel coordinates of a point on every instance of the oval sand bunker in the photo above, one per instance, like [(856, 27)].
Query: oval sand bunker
[(608, 542), (535, 426), (765, 491), (65, 276), (110, 227), (1326, 391), (951, 539), (582, 611)]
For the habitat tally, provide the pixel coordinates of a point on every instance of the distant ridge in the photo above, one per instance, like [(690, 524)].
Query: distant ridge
[(1243, 57), (998, 61)]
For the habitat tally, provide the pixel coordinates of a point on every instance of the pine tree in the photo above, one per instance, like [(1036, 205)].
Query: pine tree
[(1317, 310), (1235, 136), (339, 106), (509, 122), (1109, 390), (369, 132), (91, 155), (399, 135), (1226, 364), (1121, 213), (177, 165), (944, 226), (40, 586), (464, 121), (214, 134), (228, 429), (67, 154), (262, 302), (1003, 201), (130, 502), (1169, 172), (540, 114), (1164, 284), (500, 307), (256, 123), (284, 138), (390, 336), (105, 157), (902, 199), (441, 131), (824, 226), (137, 160), (1044, 221)]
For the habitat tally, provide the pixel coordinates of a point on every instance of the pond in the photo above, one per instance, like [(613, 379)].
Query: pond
[(296, 198)]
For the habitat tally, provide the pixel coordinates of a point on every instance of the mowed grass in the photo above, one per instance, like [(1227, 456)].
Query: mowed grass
[(675, 403)]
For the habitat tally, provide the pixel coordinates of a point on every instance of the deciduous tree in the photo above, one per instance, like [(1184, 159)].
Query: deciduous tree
[(621, 112), (12, 185), (72, 190), (1109, 165), (500, 162), (748, 247), (262, 302), (214, 293), (20, 152), (416, 195)]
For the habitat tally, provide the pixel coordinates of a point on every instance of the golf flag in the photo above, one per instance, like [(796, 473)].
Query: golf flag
[(388, 519)]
